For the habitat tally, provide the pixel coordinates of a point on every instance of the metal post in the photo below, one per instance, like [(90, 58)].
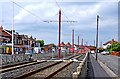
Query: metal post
[(12, 31), (82, 42), (94, 42), (81, 45), (59, 31), (78, 40), (73, 40), (78, 43), (97, 37), (52, 53)]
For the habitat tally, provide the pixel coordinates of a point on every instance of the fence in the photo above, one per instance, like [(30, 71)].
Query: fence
[(6, 59)]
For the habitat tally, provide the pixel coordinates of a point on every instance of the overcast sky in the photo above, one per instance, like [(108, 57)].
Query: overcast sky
[(30, 22)]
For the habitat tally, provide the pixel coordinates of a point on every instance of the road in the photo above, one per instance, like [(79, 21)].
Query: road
[(110, 61)]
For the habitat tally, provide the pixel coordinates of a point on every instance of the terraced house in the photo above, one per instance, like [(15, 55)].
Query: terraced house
[(21, 42)]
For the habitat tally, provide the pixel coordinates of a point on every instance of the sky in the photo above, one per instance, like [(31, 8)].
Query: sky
[(29, 17)]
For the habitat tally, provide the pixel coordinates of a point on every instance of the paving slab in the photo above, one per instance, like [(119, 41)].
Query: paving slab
[(99, 72)]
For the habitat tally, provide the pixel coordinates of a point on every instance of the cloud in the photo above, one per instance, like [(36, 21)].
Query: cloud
[(84, 13), (60, 0), (38, 11)]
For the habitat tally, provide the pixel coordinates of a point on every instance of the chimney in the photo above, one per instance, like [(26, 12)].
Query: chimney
[(112, 40)]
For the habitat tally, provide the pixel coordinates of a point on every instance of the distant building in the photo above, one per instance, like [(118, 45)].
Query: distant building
[(68, 46), (49, 48), (21, 42), (84, 49), (108, 43), (4, 36)]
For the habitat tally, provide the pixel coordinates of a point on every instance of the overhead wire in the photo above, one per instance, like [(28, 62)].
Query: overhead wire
[(27, 11), (64, 12)]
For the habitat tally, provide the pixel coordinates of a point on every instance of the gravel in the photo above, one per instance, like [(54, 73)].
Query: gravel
[(81, 57), (23, 70), (46, 72), (68, 71)]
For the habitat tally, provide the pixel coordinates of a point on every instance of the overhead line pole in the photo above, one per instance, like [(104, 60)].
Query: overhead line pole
[(97, 37), (59, 30), (82, 42), (78, 40), (73, 40), (59, 35), (12, 30)]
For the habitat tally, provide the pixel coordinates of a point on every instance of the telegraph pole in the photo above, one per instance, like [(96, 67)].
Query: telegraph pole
[(59, 33), (97, 37), (73, 40), (78, 40), (94, 42), (101, 44), (82, 42)]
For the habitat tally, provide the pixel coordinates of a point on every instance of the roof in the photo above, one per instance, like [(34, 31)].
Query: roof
[(49, 45), (81, 46), (110, 42), (76, 45), (62, 44), (68, 44), (10, 32), (91, 47)]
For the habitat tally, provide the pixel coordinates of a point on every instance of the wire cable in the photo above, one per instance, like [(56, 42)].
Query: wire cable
[(27, 11)]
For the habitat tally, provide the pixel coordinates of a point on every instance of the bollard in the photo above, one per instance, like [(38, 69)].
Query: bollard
[(79, 69), (81, 64), (75, 75), (84, 62)]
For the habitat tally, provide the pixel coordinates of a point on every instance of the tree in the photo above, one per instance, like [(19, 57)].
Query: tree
[(114, 47), (41, 42)]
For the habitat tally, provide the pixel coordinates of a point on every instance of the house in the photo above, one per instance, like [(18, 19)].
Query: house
[(63, 47), (108, 43), (21, 42), (68, 46), (76, 46), (4, 36), (81, 49), (92, 49), (84, 49), (49, 48)]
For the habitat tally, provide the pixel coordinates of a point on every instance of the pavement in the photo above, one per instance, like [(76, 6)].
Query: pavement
[(96, 70), (112, 62)]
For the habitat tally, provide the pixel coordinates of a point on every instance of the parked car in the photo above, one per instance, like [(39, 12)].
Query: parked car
[(104, 52)]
